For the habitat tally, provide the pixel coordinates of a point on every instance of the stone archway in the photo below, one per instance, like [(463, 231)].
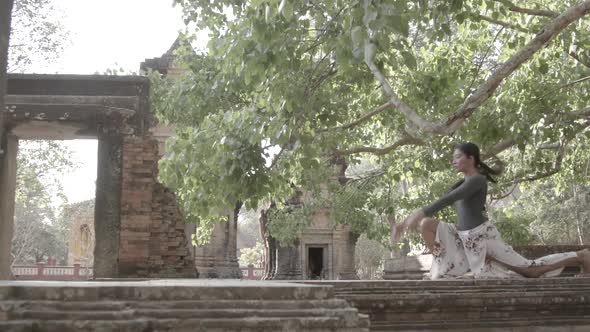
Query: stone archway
[(138, 228)]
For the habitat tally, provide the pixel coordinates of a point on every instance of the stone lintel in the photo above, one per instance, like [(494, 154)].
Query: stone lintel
[(76, 85)]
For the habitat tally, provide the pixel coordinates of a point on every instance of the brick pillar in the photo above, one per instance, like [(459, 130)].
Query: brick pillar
[(152, 241), (136, 208)]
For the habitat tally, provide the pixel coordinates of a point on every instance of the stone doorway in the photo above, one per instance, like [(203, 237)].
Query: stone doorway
[(317, 262), (53, 235)]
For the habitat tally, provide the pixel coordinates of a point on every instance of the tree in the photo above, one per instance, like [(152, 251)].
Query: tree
[(252, 255), (289, 85), (37, 231), (369, 258), (37, 34), (543, 215)]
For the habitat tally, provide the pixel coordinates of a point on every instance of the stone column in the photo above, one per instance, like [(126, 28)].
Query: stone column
[(7, 188), (107, 212), (288, 262), (6, 203), (217, 259), (345, 254)]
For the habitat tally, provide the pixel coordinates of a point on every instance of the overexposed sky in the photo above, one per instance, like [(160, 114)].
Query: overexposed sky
[(108, 34), (113, 34)]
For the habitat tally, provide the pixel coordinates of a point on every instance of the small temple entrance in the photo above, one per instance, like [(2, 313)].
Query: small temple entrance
[(315, 262)]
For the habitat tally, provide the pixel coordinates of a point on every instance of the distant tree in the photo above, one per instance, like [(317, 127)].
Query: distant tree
[(369, 257), (37, 34), (543, 215), (37, 232), (251, 256), (248, 228)]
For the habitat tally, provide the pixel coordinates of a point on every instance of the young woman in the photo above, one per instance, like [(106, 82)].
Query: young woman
[(473, 243)]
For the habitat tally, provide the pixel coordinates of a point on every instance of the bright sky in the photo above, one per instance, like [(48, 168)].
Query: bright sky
[(109, 34)]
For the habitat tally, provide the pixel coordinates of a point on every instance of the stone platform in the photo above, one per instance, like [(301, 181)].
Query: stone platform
[(524, 305), (174, 305)]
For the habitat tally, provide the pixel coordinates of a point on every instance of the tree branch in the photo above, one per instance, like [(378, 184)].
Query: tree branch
[(561, 147), (556, 168), (486, 90), (363, 118), (577, 58), (276, 158), (502, 196), (395, 101), (408, 140), (502, 23), (499, 147), (535, 12), (583, 113), (480, 65)]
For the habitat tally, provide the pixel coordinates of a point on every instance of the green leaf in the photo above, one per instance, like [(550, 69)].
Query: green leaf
[(288, 11), (409, 59), (456, 5), (400, 24), (543, 67)]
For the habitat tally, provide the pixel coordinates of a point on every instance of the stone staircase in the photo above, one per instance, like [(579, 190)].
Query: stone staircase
[(539, 305), (174, 305)]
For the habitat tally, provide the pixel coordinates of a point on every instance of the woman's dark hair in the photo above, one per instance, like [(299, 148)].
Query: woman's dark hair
[(472, 150)]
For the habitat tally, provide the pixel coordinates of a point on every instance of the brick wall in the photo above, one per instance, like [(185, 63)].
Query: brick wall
[(152, 239)]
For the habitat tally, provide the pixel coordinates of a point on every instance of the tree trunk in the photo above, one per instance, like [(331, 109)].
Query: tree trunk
[(578, 217), (269, 246)]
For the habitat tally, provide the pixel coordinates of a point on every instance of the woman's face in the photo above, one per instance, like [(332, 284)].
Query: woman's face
[(461, 161)]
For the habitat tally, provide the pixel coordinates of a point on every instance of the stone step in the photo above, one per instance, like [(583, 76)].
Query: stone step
[(131, 313), (555, 324), (503, 298), (173, 305), (456, 284), (315, 324), (459, 304), (182, 289)]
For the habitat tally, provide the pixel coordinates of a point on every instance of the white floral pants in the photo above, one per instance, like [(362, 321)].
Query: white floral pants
[(460, 252)]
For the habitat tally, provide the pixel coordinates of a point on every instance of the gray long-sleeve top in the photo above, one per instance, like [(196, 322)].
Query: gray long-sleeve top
[(469, 199)]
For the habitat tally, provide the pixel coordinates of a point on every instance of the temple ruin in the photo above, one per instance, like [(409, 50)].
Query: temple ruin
[(139, 231)]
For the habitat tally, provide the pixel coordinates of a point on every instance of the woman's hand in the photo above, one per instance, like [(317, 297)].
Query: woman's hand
[(413, 220), (410, 223)]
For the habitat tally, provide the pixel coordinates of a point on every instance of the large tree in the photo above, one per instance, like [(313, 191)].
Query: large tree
[(288, 86)]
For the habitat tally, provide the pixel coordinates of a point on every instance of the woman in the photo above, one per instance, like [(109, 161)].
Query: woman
[(473, 243)]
